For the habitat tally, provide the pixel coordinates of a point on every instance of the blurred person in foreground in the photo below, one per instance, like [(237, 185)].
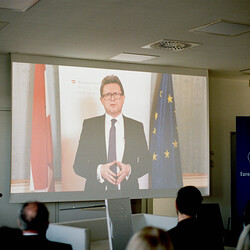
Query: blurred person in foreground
[(34, 221), (150, 238), (244, 240)]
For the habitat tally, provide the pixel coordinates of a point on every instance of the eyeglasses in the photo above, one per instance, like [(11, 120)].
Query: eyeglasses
[(108, 96)]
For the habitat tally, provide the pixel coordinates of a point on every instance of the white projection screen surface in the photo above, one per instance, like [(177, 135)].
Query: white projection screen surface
[(60, 133)]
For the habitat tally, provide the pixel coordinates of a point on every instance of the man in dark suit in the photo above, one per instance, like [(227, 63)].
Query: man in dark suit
[(190, 232), (34, 221), (104, 165)]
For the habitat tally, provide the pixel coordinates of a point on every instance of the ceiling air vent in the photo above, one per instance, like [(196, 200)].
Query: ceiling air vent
[(173, 45)]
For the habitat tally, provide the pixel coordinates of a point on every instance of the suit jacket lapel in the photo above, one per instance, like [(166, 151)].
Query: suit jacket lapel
[(125, 136), (101, 128)]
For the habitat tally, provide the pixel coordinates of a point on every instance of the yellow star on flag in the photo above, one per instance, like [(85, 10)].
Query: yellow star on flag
[(154, 131), (155, 157), (166, 154), (156, 115), (175, 143), (170, 99)]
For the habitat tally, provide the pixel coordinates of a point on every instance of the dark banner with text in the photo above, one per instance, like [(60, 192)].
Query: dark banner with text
[(242, 164)]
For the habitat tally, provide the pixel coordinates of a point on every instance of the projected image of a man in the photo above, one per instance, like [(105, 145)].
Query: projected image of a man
[(112, 152)]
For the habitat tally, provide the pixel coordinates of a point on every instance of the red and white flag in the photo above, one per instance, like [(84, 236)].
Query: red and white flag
[(41, 138)]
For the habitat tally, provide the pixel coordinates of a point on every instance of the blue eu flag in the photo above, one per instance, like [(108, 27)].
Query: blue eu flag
[(164, 145)]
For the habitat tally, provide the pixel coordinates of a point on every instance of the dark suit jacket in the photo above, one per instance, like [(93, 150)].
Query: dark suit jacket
[(12, 238), (92, 152), (190, 234), (9, 237), (41, 243)]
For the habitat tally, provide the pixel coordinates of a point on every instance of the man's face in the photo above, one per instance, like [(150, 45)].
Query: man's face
[(113, 106)]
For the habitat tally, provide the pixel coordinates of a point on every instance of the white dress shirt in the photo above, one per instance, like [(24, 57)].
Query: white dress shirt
[(120, 142)]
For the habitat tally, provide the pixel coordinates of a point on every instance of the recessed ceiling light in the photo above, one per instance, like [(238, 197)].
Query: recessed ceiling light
[(3, 24), (130, 57), (223, 28), (173, 45), (22, 5)]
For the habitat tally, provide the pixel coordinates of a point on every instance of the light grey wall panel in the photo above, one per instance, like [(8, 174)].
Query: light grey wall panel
[(8, 212), (5, 82)]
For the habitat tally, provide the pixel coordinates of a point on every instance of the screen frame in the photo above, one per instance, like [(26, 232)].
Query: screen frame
[(78, 195)]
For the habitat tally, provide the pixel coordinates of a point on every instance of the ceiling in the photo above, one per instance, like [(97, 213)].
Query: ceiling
[(101, 29)]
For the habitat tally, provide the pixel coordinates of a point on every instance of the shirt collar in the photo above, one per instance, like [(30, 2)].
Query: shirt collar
[(30, 233), (119, 118)]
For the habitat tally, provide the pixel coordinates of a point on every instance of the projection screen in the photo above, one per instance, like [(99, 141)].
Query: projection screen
[(60, 134)]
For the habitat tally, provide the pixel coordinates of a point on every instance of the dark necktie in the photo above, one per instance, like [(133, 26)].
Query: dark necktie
[(112, 142), (112, 151)]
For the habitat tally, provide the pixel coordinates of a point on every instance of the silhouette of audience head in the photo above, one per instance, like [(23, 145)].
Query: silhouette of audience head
[(34, 217), (150, 238), (188, 201)]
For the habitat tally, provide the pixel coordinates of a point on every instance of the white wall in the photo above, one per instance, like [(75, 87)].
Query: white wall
[(229, 97)]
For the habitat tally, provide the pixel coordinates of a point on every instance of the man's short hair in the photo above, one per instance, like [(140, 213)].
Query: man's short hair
[(111, 79), (34, 216), (189, 200)]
